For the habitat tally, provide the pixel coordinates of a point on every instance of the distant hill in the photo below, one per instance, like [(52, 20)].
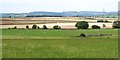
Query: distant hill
[(67, 13)]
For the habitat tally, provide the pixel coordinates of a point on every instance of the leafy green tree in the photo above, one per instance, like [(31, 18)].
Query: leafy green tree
[(116, 24), (106, 21), (45, 27), (38, 27), (56, 27), (82, 35), (95, 27), (82, 25), (100, 21), (15, 27), (34, 26), (104, 25), (27, 27)]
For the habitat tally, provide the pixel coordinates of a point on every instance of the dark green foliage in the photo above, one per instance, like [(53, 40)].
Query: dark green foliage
[(107, 17), (44, 16), (44, 27), (82, 25), (27, 27), (100, 21), (82, 35), (9, 28), (56, 27), (95, 27), (38, 27), (34, 26), (15, 27), (116, 24), (106, 21), (104, 25), (113, 17)]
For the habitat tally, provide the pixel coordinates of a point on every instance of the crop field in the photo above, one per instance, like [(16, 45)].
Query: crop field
[(64, 22), (30, 43)]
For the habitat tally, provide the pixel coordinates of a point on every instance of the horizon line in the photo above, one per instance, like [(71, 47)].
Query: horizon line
[(58, 11)]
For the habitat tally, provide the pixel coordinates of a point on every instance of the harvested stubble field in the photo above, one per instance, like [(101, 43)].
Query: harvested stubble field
[(44, 20), (30, 43), (64, 22)]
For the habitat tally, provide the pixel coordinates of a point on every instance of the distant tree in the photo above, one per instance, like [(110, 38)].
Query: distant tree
[(56, 27), (95, 27), (9, 28), (44, 27), (10, 16), (38, 27), (106, 21), (82, 25), (82, 35), (100, 21), (27, 27), (104, 25), (34, 26), (15, 27), (116, 24), (107, 17), (113, 17)]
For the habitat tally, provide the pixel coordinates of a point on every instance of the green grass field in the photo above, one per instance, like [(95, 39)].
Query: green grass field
[(23, 43)]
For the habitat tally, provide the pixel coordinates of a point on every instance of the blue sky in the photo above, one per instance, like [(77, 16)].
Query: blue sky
[(22, 6)]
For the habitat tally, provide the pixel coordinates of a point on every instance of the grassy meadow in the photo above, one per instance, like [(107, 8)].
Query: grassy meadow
[(30, 43)]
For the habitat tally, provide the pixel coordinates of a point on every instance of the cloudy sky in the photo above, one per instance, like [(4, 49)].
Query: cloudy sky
[(21, 6)]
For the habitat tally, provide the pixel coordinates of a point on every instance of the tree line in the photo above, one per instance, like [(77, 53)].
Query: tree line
[(79, 25)]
